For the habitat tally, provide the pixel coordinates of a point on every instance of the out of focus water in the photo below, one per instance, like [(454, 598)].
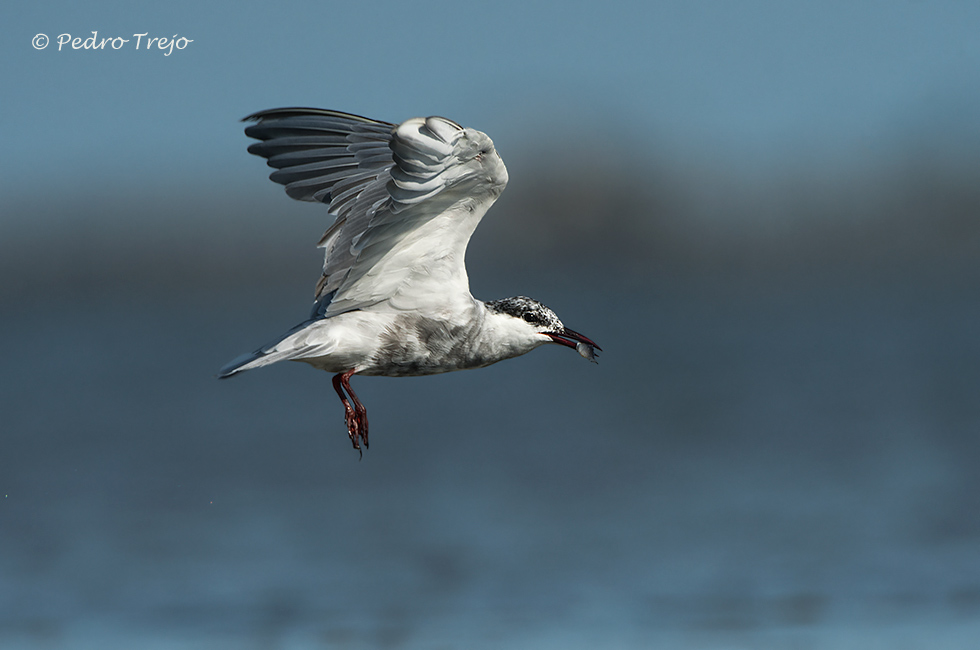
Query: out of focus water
[(748, 467)]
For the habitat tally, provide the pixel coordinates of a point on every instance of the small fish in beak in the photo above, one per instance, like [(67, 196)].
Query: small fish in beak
[(582, 344)]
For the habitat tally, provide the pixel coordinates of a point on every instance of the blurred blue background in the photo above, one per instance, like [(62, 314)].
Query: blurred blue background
[(768, 214)]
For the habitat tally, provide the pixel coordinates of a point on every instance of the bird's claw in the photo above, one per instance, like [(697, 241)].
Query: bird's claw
[(357, 426), (355, 415)]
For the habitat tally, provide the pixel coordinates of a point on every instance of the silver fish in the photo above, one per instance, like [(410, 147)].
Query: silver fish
[(586, 351)]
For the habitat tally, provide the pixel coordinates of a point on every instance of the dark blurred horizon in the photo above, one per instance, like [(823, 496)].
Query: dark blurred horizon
[(606, 208)]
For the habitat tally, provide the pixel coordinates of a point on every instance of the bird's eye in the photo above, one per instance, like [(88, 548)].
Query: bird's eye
[(529, 318)]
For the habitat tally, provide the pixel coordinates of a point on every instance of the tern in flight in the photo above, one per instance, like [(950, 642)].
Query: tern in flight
[(394, 299)]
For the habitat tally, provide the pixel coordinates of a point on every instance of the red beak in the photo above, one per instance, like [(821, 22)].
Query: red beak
[(571, 338)]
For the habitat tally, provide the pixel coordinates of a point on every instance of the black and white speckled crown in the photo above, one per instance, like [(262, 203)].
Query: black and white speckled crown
[(529, 310)]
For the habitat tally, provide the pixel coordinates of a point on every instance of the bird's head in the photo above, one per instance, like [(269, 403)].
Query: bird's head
[(536, 324)]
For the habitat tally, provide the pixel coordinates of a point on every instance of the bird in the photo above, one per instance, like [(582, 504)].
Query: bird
[(393, 298)]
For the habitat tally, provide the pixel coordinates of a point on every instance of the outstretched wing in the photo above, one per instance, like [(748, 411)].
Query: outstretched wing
[(405, 198)]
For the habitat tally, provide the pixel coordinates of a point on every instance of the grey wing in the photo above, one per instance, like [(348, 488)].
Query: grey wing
[(339, 159), (406, 200)]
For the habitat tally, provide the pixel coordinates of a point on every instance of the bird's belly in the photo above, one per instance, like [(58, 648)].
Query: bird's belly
[(408, 364), (416, 346)]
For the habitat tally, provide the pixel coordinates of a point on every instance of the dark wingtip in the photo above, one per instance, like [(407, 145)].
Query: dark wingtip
[(300, 110), (279, 112)]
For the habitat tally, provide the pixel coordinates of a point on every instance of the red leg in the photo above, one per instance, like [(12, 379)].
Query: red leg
[(360, 412), (349, 412), (356, 416)]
